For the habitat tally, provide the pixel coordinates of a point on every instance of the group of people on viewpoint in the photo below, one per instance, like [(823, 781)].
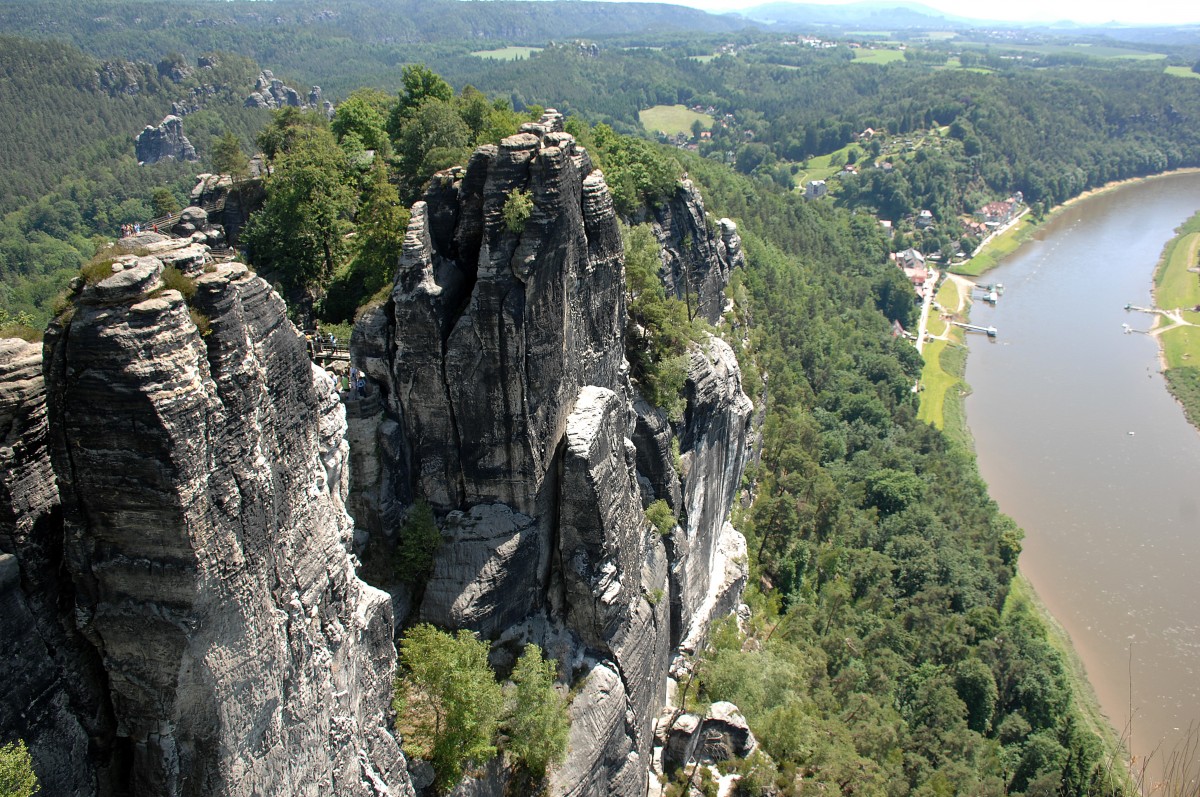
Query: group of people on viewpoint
[(135, 228)]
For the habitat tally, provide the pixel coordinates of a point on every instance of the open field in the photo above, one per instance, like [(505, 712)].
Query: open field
[(507, 53), (945, 364), (704, 59), (1089, 50), (1181, 71), (954, 62), (1177, 287), (1174, 285), (672, 119), (877, 56)]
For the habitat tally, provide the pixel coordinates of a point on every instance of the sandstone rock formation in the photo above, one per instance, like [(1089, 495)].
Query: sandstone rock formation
[(53, 694), (270, 92), (230, 204), (698, 254), (721, 734), (203, 481), (499, 393), (164, 143)]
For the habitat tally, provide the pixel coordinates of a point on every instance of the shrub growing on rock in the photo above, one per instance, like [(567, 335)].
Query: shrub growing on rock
[(447, 701), (537, 722)]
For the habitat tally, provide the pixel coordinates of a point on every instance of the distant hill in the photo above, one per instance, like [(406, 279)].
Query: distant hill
[(343, 44), (869, 14), (100, 26), (901, 15)]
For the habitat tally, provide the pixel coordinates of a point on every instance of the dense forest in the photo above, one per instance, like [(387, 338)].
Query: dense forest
[(956, 129), (67, 158), (888, 652)]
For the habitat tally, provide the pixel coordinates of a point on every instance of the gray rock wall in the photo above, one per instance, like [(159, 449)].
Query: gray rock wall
[(498, 361), (203, 481), (53, 696), (697, 254), (166, 142), (708, 557)]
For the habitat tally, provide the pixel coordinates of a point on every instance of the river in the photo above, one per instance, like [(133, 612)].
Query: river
[(1081, 444)]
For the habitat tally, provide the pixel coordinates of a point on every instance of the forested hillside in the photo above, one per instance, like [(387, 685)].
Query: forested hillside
[(67, 152), (897, 664), (886, 654)]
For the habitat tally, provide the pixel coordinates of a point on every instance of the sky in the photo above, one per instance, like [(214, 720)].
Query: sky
[(1156, 12)]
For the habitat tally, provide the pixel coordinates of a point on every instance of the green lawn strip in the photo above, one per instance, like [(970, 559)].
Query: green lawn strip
[(1174, 286), (941, 377), (998, 248), (704, 59), (1181, 346), (934, 384), (878, 56), (1021, 595), (507, 53), (954, 407), (1181, 71), (947, 295), (672, 119)]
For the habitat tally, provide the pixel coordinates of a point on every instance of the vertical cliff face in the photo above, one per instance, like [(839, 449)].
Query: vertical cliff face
[(697, 254), (500, 394), (54, 695), (203, 483)]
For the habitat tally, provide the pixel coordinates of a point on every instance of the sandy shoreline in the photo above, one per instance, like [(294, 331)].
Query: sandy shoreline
[(1117, 184)]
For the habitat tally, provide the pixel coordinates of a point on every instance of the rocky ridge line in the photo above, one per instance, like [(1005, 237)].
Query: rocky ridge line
[(499, 393)]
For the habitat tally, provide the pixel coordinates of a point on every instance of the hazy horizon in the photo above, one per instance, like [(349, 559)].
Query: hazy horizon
[(1150, 12)]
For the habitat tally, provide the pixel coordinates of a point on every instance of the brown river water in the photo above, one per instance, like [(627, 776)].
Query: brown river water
[(1081, 444)]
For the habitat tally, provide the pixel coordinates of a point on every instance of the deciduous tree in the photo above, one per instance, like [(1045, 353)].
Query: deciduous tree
[(448, 702)]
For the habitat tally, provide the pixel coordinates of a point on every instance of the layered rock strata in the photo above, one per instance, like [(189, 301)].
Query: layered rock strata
[(53, 696), (499, 394), (203, 480), (698, 253)]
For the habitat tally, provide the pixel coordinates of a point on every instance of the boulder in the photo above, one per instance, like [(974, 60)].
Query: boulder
[(720, 735), (166, 142)]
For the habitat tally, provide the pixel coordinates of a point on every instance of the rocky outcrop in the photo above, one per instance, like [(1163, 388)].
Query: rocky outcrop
[(164, 143), (721, 734), (203, 480), (614, 570), (270, 92), (698, 254), (503, 400), (708, 557), (230, 204), (53, 696)]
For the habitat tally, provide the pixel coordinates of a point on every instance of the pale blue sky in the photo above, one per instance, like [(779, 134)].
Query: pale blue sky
[(1158, 12)]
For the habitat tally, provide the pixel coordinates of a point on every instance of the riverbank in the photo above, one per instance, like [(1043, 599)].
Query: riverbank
[(1009, 241), (943, 385), (1177, 290), (1023, 597), (1056, 519)]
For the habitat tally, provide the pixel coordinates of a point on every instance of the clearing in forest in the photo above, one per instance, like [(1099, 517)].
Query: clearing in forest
[(507, 53), (878, 56), (672, 119)]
